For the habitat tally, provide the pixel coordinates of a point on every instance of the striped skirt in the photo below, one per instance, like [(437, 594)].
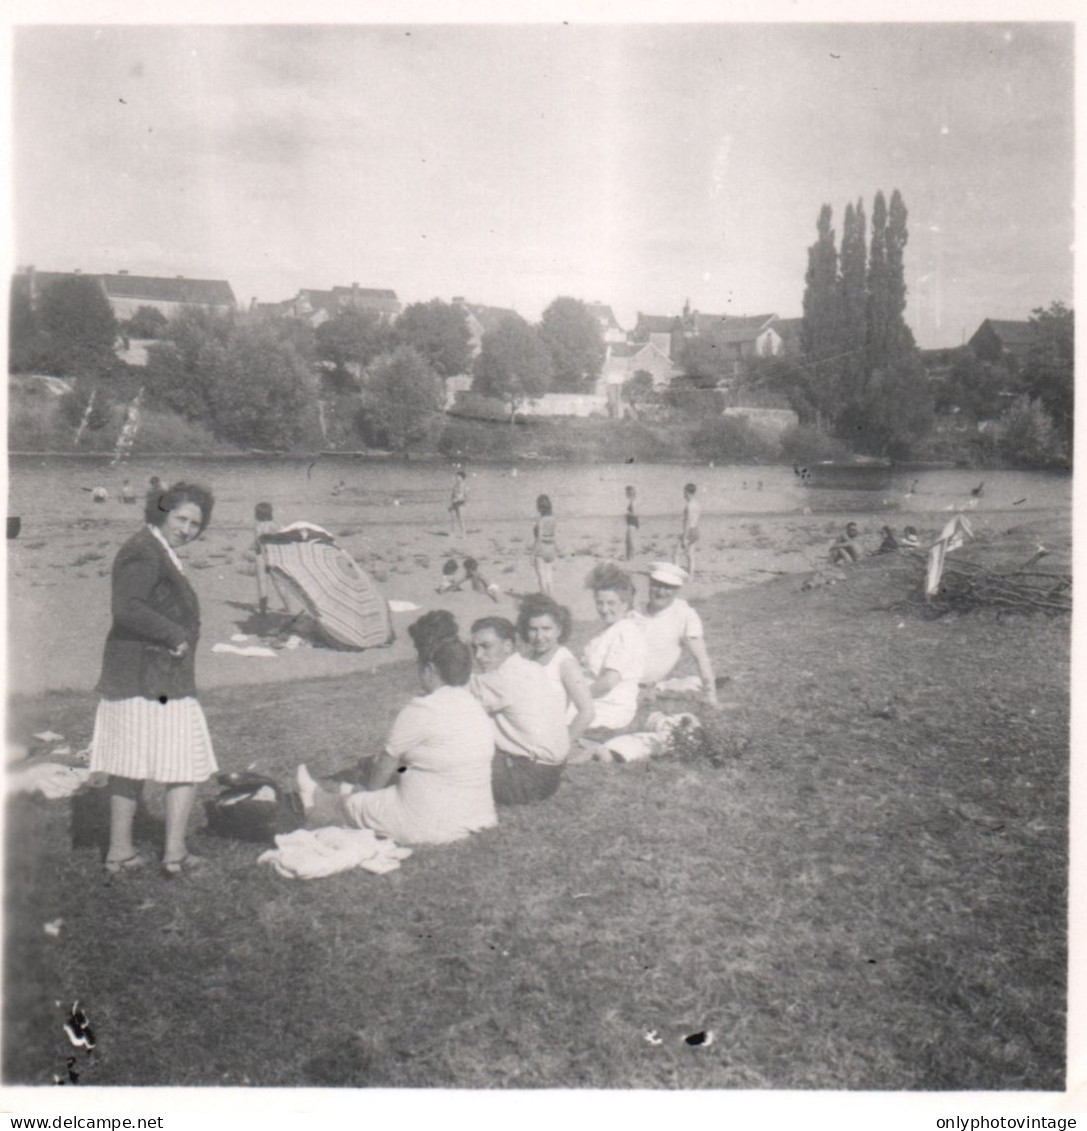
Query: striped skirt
[(146, 740)]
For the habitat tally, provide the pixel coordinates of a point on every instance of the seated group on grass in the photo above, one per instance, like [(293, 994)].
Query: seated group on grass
[(849, 546), (503, 732)]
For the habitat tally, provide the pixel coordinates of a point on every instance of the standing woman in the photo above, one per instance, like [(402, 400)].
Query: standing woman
[(149, 725), (544, 548)]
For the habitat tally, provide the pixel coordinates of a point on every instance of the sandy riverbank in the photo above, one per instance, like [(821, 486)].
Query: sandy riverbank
[(58, 587)]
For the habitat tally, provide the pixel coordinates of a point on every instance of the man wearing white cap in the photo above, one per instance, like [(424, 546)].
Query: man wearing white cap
[(670, 626)]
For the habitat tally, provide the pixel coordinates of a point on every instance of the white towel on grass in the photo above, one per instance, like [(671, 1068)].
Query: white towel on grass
[(246, 650), (310, 854)]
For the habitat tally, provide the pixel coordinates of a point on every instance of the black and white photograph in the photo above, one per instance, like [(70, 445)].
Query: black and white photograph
[(539, 558)]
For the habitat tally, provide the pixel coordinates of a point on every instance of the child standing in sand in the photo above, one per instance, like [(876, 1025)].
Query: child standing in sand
[(264, 524), (457, 501), (688, 536), (632, 525), (544, 547)]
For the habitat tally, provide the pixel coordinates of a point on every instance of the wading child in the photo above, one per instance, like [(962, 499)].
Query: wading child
[(688, 536), (544, 547), (457, 501), (632, 525)]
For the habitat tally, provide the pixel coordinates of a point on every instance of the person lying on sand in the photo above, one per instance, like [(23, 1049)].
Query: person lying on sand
[(442, 741), (478, 582), (449, 582)]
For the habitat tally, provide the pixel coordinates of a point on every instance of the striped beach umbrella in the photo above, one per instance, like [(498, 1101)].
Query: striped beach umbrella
[(336, 591)]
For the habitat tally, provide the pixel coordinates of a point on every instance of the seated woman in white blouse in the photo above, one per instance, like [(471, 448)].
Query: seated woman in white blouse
[(432, 784), (615, 658)]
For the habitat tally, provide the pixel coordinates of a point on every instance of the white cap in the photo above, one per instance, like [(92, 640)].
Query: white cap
[(666, 573)]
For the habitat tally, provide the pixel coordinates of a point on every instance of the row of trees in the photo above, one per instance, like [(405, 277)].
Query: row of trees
[(861, 377), (517, 361), (259, 382), (983, 387)]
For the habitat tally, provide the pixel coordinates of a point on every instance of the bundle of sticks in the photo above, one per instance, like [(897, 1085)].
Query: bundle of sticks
[(969, 585)]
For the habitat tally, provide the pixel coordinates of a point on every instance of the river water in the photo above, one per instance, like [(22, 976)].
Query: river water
[(50, 490)]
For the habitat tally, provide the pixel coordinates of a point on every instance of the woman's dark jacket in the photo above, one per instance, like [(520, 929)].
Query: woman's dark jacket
[(154, 610)]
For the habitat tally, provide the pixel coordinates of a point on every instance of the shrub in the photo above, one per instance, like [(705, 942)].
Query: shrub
[(167, 432), (804, 443), (731, 439), (1027, 436)]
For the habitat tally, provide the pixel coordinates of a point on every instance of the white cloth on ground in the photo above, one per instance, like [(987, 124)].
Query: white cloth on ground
[(311, 854), (679, 685), (642, 745), (48, 778), (246, 650)]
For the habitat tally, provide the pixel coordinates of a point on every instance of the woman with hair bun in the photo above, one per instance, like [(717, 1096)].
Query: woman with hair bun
[(432, 784)]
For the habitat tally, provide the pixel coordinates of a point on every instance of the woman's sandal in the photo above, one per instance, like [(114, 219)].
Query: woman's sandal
[(188, 863), (129, 864)]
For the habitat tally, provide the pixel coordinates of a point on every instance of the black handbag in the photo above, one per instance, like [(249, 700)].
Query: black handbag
[(252, 807)]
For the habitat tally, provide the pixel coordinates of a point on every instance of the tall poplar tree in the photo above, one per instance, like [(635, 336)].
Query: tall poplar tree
[(900, 342), (852, 284), (821, 329), (876, 298)]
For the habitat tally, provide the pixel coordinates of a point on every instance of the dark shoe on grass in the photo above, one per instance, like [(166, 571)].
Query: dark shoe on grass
[(131, 863), (188, 864)]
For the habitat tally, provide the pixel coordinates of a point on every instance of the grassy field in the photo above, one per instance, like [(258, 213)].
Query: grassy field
[(870, 892)]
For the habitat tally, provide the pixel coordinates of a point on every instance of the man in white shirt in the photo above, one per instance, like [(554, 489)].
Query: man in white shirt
[(528, 712), (671, 626)]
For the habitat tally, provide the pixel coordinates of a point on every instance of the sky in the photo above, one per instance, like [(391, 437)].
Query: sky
[(637, 165)]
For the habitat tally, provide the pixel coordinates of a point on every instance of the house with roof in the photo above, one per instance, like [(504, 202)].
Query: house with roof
[(623, 359), (318, 306), (665, 331), (789, 331), (481, 320), (742, 337), (127, 293), (610, 330), (1001, 340)]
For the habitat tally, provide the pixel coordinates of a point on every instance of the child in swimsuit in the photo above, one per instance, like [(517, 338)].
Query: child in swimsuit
[(544, 547), (632, 525), (692, 512)]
